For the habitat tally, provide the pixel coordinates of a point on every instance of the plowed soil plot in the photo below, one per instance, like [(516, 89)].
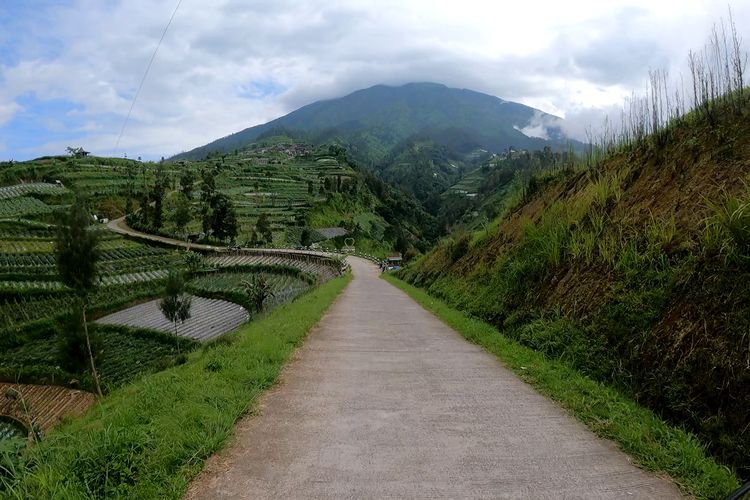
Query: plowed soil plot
[(209, 318), (45, 404)]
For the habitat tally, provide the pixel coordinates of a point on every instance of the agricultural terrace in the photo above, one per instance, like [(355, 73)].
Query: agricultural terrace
[(282, 181), (40, 407), (35, 304), (210, 318)]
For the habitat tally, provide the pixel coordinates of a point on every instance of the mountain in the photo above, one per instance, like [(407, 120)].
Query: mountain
[(372, 121)]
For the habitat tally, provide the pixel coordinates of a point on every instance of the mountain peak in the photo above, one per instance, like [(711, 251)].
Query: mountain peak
[(378, 118)]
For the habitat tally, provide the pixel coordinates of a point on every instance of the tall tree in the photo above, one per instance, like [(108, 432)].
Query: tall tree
[(224, 218), (263, 228), (77, 257), (157, 195), (208, 193), (187, 179), (179, 211)]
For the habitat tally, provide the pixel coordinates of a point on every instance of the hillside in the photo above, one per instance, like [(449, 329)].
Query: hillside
[(373, 121), (634, 271), (296, 188)]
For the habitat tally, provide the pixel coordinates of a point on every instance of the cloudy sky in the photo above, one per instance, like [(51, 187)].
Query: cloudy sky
[(69, 69)]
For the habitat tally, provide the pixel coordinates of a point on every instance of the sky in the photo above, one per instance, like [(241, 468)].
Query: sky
[(69, 69)]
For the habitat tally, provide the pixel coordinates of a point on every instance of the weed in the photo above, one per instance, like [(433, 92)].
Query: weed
[(730, 224)]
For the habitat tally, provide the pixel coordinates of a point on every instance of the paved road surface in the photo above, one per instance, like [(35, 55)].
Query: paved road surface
[(385, 401)]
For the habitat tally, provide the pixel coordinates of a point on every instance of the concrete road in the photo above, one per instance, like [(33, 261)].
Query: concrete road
[(385, 401)]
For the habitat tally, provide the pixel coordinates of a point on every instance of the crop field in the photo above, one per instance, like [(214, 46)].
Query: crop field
[(45, 405), (19, 190), (24, 205), (280, 181), (285, 287), (125, 354), (33, 300), (209, 319), (323, 268), (133, 336)]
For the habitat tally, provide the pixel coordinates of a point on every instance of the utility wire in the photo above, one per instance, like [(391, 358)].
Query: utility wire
[(145, 74)]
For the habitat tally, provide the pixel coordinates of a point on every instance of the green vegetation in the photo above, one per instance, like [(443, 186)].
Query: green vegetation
[(628, 276), (147, 440), (176, 302), (376, 122), (654, 444), (35, 303), (77, 258)]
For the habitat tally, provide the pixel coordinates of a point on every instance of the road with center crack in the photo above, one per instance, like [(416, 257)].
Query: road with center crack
[(386, 401)]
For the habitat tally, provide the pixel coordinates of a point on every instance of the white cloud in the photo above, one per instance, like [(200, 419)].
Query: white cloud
[(8, 111), (229, 64)]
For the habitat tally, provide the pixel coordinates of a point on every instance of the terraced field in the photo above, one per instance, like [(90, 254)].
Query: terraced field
[(20, 190), (45, 406), (325, 268), (285, 287), (131, 333), (280, 181), (209, 319)]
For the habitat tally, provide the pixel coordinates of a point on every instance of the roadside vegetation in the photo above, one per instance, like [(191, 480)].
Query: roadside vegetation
[(654, 444), (148, 439), (630, 265)]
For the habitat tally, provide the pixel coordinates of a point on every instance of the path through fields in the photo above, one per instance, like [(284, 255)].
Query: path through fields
[(385, 401)]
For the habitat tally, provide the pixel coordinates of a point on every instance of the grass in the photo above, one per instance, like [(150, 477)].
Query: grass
[(149, 439), (654, 444)]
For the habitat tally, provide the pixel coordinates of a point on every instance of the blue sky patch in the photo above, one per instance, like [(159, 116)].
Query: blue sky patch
[(39, 122), (259, 89)]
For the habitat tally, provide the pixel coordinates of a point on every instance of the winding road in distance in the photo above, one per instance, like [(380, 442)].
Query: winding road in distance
[(386, 401)]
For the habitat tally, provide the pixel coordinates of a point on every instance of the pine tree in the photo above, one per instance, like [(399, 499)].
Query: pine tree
[(77, 257)]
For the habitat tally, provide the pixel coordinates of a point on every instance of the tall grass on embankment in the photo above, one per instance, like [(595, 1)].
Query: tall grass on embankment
[(149, 439), (653, 444)]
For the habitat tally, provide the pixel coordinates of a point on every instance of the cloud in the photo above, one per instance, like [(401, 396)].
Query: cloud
[(8, 110), (538, 126), (229, 64)]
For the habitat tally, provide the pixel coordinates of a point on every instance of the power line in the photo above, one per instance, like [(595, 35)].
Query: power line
[(145, 74)]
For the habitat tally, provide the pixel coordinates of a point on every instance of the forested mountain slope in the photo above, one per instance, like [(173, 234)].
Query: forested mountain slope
[(373, 121)]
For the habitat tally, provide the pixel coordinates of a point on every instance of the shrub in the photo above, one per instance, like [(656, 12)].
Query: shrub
[(459, 246), (730, 222)]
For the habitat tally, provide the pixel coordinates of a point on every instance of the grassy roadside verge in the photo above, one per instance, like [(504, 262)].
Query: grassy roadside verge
[(149, 439), (653, 444)]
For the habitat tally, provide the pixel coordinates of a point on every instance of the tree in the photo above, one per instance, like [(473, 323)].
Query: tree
[(176, 303), (263, 228), (179, 211), (187, 179), (223, 218), (194, 262), (77, 256), (73, 346), (208, 194), (310, 188), (306, 238), (208, 186), (258, 289), (157, 195)]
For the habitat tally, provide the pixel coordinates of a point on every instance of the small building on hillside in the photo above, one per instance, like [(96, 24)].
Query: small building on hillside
[(78, 152)]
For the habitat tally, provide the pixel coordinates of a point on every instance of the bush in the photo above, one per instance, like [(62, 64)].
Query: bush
[(459, 246)]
